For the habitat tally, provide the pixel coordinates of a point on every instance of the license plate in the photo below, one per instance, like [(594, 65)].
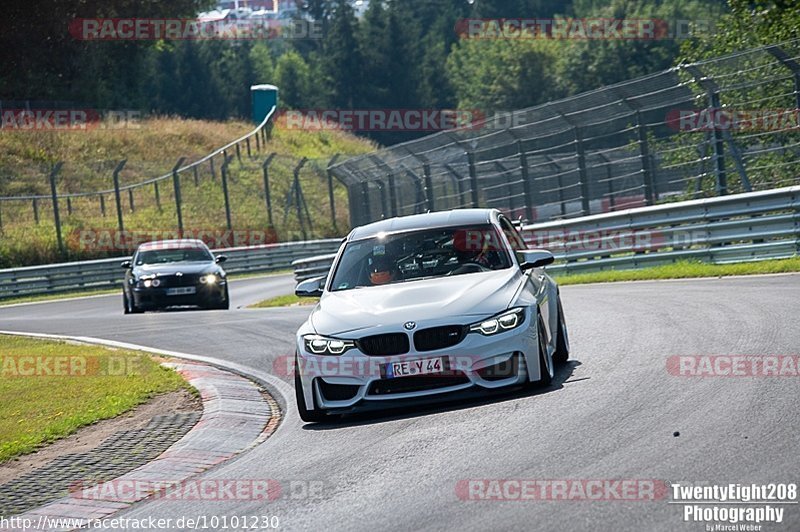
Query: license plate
[(410, 368), (181, 291)]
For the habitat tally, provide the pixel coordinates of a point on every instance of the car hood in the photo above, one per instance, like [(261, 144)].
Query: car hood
[(475, 294), (173, 267)]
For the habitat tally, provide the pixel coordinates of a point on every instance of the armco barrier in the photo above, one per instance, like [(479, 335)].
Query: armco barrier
[(106, 273), (312, 267), (736, 228)]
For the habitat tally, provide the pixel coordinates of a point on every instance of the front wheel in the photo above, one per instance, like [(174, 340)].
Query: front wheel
[(561, 353), (309, 416), (546, 370), (129, 307)]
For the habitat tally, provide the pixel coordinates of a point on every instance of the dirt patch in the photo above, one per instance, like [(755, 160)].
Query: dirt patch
[(89, 438)]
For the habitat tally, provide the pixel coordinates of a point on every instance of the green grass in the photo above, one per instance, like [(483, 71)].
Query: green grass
[(152, 151), (285, 301), (684, 270), (94, 383)]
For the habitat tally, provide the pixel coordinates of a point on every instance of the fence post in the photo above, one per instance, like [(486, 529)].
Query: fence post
[(365, 197), (69, 206), (583, 179), (330, 190), (712, 89), (258, 142), (213, 172), (249, 153), (196, 176), (36, 211), (103, 205), (53, 173), (117, 170), (644, 156), (473, 179), (426, 172), (176, 183), (130, 199), (224, 171), (158, 196), (527, 186), (267, 196), (238, 153), (297, 196)]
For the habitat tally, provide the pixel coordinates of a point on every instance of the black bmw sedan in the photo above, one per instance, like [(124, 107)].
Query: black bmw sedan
[(169, 273)]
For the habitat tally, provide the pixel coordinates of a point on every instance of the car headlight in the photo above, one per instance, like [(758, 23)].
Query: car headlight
[(209, 279), (503, 322), (150, 281), (320, 345)]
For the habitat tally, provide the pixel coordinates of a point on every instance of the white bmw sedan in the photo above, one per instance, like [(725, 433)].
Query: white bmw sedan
[(428, 307)]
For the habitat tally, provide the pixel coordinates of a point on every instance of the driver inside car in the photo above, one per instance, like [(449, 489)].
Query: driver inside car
[(381, 271)]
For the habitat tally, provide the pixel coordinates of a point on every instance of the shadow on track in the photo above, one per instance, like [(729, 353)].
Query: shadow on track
[(562, 375)]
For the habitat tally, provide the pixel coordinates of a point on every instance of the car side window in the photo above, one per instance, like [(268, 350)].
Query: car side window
[(517, 244)]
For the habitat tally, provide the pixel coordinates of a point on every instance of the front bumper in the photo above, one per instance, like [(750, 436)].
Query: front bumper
[(355, 381), (158, 297)]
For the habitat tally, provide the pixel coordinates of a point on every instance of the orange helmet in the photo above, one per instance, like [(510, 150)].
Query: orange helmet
[(380, 272)]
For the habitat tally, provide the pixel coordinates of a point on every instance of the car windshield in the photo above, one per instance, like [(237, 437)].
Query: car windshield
[(164, 256), (410, 256)]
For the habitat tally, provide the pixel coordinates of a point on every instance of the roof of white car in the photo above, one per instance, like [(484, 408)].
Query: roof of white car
[(423, 221), (176, 243)]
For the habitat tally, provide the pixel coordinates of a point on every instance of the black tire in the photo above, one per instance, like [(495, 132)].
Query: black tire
[(130, 306), (223, 303), (561, 354), (309, 416), (545, 377)]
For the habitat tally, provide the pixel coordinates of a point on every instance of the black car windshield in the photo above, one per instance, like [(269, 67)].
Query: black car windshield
[(164, 256), (410, 256)]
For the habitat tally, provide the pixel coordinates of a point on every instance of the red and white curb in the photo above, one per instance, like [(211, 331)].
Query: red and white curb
[(236, 416)]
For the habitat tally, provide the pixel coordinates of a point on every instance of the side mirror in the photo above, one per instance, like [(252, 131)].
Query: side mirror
[(125, 264), (534, 258), (310, 287), (220, 258)]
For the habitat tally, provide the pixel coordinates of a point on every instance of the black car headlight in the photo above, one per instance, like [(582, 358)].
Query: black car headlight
[(320, 345), (505, 321), (209, 279)]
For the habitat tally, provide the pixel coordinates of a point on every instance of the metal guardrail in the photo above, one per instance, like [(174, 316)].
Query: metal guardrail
[(737, 228), (312, 267), (106, 273)]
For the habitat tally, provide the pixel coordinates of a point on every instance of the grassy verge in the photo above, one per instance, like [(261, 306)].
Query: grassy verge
[(152, 150), (684, 270), (49, 389), (286, 301)]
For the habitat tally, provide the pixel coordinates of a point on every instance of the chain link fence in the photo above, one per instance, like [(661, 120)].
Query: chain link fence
[(710, 128), (241, 194)]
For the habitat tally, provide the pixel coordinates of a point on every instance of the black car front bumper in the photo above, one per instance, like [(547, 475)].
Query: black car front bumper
[(205, 296)]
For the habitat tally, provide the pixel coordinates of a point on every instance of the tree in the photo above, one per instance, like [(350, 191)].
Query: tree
[(292, 76), (342, 60)]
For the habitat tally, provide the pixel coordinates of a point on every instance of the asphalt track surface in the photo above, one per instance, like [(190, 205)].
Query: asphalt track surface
[(610, 414)]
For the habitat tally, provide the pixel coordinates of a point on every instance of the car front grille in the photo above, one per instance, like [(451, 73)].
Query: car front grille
[(384, 345), (172, 280), (417, 384), (439, 337)]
